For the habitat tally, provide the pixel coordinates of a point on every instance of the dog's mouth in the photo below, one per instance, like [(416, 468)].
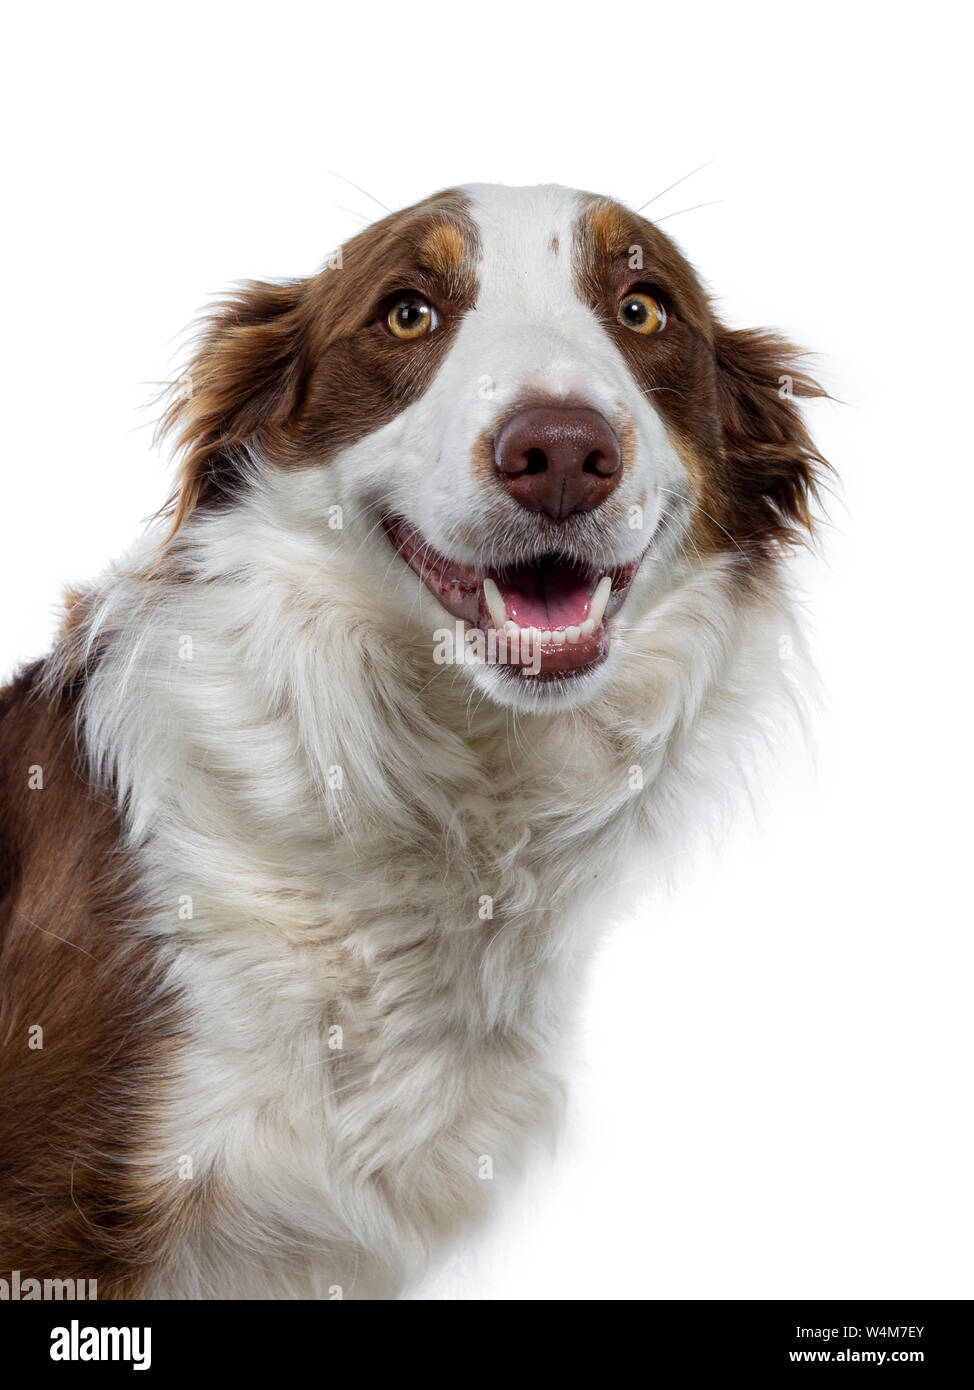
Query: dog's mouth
[(548, 617)]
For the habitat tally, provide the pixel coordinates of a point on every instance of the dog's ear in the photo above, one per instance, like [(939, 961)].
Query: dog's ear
[(773, 467), (241, 386)]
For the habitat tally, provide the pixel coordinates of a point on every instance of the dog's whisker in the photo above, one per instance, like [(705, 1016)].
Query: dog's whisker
[(352, 211), (675, 184), (358, 187), (711, 204)]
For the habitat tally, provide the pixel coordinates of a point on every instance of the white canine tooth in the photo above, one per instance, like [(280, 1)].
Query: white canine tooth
[(587, 628), (545, 636), (495, 603), (558, 636), (573, 633), (599, 600)]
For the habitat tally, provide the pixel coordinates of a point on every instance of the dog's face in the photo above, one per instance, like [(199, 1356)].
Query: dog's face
[(529, 414)]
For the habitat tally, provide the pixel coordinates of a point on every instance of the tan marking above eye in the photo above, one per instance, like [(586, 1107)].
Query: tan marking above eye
[(443, 248), (411, 316), (641, 313)]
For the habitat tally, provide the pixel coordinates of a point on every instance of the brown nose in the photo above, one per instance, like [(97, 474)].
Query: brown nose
[(558, 459)]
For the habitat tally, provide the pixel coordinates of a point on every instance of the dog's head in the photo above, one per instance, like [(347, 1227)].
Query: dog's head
[(531, 419)]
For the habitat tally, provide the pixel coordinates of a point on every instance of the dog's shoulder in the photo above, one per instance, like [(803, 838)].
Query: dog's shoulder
[(49, 811), (82, 1017)]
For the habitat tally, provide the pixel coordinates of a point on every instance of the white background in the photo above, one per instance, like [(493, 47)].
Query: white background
[(774, 1095)]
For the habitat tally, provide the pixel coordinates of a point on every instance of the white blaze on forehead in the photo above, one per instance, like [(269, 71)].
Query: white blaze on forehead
[(526, 242), (531, 332)]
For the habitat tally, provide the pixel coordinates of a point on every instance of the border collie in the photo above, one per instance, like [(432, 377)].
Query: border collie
[(469, 597)]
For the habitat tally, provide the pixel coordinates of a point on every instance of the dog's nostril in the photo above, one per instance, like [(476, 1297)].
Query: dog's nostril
[(601, 463), (537, 461)]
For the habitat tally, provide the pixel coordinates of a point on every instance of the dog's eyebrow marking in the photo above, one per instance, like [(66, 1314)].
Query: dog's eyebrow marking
[(554, 244), (443, 248), (610, 226)]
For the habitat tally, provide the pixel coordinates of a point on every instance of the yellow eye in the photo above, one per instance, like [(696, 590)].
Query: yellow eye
[(411, 317), (642, 313)]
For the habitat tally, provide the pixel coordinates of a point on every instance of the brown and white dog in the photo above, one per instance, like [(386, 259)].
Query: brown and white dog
[(470, 594)]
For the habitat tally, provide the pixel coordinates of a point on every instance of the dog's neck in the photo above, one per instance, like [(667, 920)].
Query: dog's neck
[(331, 834), (278, 727)]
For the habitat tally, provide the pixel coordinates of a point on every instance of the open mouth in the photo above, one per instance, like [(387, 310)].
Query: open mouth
[(547, 617)]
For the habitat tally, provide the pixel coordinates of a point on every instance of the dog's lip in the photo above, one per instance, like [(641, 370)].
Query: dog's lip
[(565, 606), (455, 584)]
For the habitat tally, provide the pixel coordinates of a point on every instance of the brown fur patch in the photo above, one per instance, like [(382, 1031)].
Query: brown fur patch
[(444, 250), (303, 369), (624, 427), (753, 467), (482, 456), (74, 1112), (610, 226)]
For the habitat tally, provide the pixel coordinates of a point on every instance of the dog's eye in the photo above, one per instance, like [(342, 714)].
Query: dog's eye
[(411, 317), (642, 313)]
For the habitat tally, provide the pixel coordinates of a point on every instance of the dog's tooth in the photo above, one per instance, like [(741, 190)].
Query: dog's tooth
[(512, 627), (495, 603), (573, 633), (587, 628), (599, 600), (544, 636), (558, 636)]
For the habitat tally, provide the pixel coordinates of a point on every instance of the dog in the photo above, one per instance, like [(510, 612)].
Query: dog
[(470, 597)]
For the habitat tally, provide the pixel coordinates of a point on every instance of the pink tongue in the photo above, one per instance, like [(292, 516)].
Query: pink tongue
[(546, 598)]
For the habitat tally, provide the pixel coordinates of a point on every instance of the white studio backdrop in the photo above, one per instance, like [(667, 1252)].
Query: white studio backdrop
[(773, 1096)]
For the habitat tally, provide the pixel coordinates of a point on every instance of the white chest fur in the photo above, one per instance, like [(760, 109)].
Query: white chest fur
[(377, 902)]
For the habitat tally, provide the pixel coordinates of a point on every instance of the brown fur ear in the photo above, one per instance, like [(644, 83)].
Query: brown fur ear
[(774, 468), (242, 383)]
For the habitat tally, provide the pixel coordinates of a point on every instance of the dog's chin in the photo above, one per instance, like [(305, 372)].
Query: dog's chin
[(538, 694)]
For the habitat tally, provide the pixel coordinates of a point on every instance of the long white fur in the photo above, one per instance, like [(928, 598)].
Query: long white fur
[(337, 834)]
